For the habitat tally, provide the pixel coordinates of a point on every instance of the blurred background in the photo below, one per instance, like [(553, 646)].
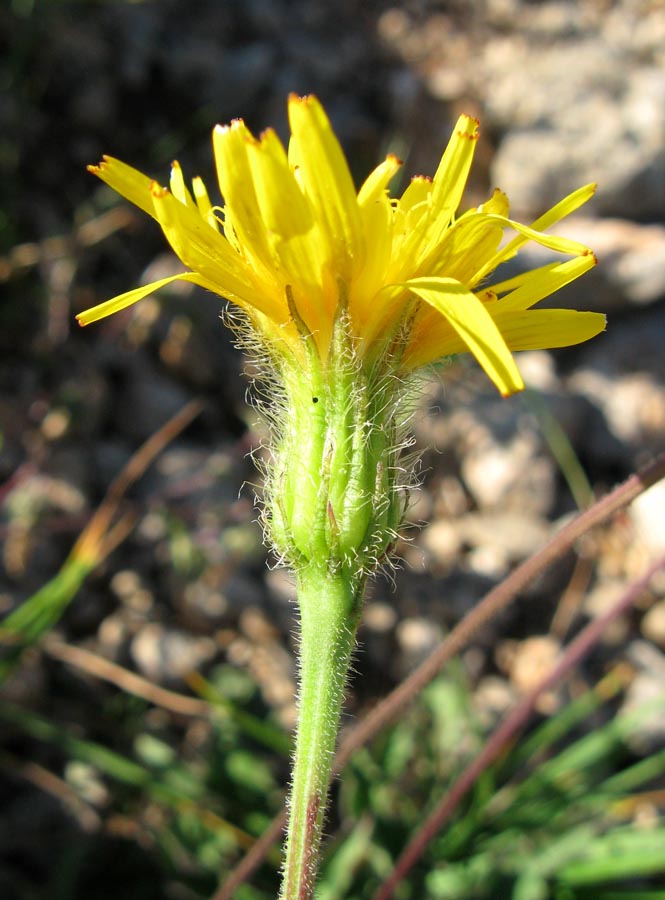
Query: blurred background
[(567, 93)]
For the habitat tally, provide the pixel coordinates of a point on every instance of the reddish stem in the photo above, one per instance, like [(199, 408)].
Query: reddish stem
[(580, 647)]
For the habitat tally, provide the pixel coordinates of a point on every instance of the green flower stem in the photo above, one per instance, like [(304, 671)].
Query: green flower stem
[(333, 507), (329, 613)]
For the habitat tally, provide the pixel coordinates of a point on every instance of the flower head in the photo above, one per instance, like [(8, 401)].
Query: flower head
[(294, 240)]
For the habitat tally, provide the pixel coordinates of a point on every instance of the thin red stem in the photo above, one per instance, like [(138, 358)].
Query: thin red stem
[(580, 647)]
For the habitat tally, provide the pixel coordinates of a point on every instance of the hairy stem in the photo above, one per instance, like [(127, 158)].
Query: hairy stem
[(487, 609), (329, 606)]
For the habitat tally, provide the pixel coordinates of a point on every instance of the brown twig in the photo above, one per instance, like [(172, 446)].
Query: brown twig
[(26, 256), (492, 604), (580, 647), (100, 536), (86, 815), (124, 679), (252, 859)]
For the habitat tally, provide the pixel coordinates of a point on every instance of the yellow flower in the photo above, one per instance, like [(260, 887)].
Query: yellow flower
[(294, 239)]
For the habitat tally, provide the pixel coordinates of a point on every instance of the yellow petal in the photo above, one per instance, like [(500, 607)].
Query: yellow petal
[(433, 205), (532, 287), (207, 252), (377, 181), (470, 319), (518, 281), (122, 301), (298, 252), (539, 329), (411, 214), (178, 187), (451, 175), (132, 184), (565, 207), (466, 246), (203, 203), (497, 204), (417, 192), (326, 180), (559, 211), (552, 242), (242, 220), (370, 313), (281, 204)]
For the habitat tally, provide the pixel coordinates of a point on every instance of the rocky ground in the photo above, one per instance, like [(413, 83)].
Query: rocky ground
[(566, 93)]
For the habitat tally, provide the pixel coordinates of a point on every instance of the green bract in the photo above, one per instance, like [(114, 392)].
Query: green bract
[(336, 490)]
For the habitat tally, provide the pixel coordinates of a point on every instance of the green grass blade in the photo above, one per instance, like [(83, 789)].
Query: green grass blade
[(620, 854), (41, 612)]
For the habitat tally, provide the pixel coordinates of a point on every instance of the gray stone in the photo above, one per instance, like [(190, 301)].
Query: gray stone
[(168, 655), (645, 697)]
